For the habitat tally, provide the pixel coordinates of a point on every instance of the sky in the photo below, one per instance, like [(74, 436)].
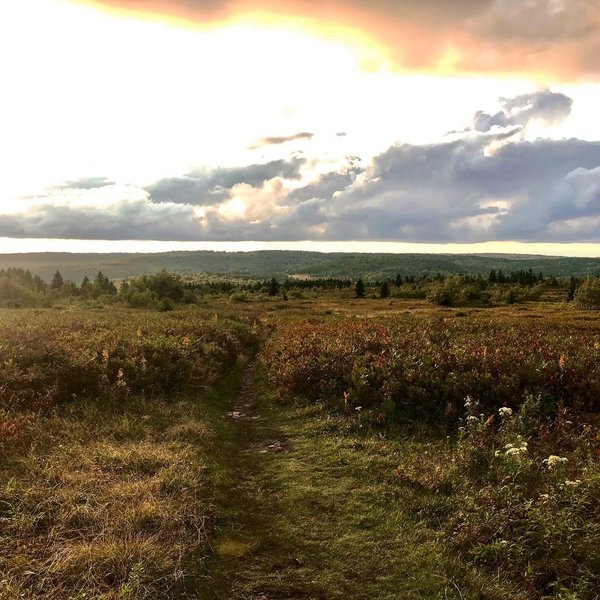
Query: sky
[(437, 126)]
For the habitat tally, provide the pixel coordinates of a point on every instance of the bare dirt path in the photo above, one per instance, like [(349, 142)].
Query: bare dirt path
[(261, 437), (244, 404)]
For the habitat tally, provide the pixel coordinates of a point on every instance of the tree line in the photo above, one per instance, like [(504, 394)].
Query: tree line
[(163, 290)]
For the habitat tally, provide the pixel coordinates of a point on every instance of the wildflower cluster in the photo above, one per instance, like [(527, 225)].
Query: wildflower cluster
[(515, 450), (505, 412), (553, 461)]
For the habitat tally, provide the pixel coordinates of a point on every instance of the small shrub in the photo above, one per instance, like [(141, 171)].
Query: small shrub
[(238, 297), (588, 294)]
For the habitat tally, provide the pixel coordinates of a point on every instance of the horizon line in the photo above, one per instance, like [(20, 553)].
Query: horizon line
[(74, 246)]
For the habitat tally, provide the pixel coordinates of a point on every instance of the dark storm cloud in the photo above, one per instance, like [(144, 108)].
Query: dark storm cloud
[(207, 187), (275, 141)]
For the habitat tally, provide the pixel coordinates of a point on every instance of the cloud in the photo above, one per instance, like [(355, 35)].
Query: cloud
[(87, 183), (542, 190), (209, 186), (110, 213), (486, 185), (544, 106), (274, 141), (541, 37), (325, 186), (456, 191)]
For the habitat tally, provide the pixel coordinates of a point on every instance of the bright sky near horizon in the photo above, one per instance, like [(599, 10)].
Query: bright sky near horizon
[(392, 127)]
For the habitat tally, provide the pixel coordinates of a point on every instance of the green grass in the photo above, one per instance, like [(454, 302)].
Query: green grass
[(328, 517)]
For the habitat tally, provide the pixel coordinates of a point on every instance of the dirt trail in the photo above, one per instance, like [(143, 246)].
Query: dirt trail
[(259, 436), (244, 404), (308, 510), (245, 523)]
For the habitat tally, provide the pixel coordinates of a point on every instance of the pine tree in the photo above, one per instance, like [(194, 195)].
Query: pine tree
[(86, 286), (572, 288), (103, 285), (398, 281), (57, 281), (273, 287), (360, 289), (384, 291)]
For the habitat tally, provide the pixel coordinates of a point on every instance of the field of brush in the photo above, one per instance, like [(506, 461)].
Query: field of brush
[(395, 450)]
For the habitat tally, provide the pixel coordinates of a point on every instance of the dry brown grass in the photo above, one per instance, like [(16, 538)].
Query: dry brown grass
[(106, 505)]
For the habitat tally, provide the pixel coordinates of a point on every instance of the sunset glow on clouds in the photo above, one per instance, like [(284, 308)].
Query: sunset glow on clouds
[(454, 122), (545, 37)]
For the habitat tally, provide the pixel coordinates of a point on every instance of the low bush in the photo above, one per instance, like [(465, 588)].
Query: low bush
[(426, 366), (52, 358)]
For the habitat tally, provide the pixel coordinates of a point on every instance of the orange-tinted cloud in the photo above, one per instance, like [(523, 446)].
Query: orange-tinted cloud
[(556, 39)]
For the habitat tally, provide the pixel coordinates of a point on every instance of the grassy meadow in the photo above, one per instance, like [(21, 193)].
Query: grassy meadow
[(318, 446)]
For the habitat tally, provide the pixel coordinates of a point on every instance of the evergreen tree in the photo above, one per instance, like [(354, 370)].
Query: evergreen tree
[(398, 281), (57, 281), (492, 278), (86, 286), (39, 285), (360, 288), (384, 291), (587, 294), (572, 288), (273, 287), (103, 285)]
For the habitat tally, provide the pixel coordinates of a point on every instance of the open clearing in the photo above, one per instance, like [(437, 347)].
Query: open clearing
[(252, 452)]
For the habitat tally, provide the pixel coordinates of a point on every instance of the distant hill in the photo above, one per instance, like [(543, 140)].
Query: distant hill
[(265, 263)]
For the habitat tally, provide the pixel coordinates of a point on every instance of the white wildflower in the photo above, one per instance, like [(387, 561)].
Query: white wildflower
[(554, 461), (515, 451), (574, 483), (471, 420), (505, 412)]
